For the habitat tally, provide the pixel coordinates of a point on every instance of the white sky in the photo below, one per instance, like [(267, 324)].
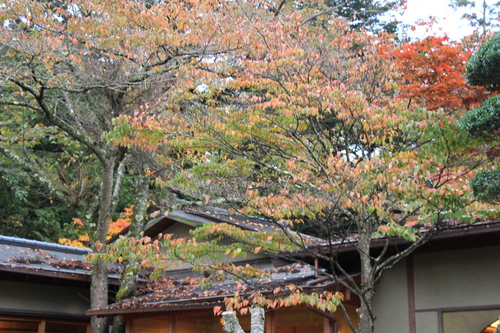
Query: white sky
[(448, 20)]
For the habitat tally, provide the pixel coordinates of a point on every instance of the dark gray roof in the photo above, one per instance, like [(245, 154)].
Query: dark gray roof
[(21, 242), (30, 257), (174, 293), (196, 217)]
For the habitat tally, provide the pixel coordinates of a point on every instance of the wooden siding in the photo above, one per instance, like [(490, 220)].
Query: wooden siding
[(284, 320)]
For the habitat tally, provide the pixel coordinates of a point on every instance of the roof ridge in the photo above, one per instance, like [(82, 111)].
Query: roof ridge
[(15, 241)]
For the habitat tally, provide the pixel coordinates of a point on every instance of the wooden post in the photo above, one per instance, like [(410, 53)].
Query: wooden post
[(41, 326), (411, 293), (171, 324), (271, 322)]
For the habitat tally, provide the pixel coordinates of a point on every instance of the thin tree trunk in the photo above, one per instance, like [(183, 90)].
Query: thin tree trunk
[(257, 323), (99, 295), (128, 280), (366, 319), (99, 287), (231, 322), (258, 320)]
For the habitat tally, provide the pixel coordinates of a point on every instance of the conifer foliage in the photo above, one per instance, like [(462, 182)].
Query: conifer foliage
[(484, 121)]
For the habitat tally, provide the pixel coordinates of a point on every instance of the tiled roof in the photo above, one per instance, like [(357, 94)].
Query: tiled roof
[(170, 294), (18, 255), (196, 217)]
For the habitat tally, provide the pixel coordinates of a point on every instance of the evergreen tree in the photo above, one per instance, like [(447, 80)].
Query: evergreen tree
[(366, 14), (484, 121)]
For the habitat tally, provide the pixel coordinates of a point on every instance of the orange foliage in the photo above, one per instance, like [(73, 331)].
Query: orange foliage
[(82, 238), (121, 223), (71, 242), (433, 71), (115, 227)]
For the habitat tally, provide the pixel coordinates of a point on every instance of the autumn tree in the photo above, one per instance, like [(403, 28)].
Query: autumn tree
[(326, 143), (80, 65), (301, 125), (433, 74)]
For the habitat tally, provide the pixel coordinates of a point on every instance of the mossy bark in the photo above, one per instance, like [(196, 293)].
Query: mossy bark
[(129, 278)]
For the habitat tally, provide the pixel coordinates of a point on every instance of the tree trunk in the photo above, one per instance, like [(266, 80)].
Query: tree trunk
[(232, 324), (99, 295), (128, 286), (99, 284), (128, 280), (366, 320), (258, 320)]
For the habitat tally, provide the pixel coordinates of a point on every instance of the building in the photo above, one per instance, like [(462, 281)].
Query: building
[(448, 285), (176, 303), (451, 284), (44, 287)]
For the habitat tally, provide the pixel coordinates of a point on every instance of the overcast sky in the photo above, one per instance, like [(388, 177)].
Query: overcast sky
[(448, 20)]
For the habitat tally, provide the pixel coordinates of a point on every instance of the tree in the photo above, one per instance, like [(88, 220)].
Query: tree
[(366, 14), (80, 65), (27, 212), (433, 71), (482, 66), (483, 17), (483, 121), (30, 210), (301, 125), (326, 143)]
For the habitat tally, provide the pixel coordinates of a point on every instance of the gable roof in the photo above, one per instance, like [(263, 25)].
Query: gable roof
[(196, 217), (180, 290)]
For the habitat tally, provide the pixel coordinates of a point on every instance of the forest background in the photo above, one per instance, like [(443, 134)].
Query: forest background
[(315, 115), (31, 211)]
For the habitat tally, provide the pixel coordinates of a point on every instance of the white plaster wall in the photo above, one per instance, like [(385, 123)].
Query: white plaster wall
[(457, 278), (427, 322), (468, 278), (390, 302)]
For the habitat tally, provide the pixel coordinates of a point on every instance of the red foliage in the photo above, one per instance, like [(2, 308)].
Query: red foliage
[(433, 72)]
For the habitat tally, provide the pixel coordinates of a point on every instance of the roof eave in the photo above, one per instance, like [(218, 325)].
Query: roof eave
[(480, 228), (174, 308), (54, 274)]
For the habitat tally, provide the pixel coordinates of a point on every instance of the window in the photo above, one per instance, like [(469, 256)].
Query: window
[(469, 321), (491, 327)]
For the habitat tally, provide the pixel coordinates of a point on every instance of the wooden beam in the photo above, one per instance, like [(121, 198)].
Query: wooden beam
[(410, 280)]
